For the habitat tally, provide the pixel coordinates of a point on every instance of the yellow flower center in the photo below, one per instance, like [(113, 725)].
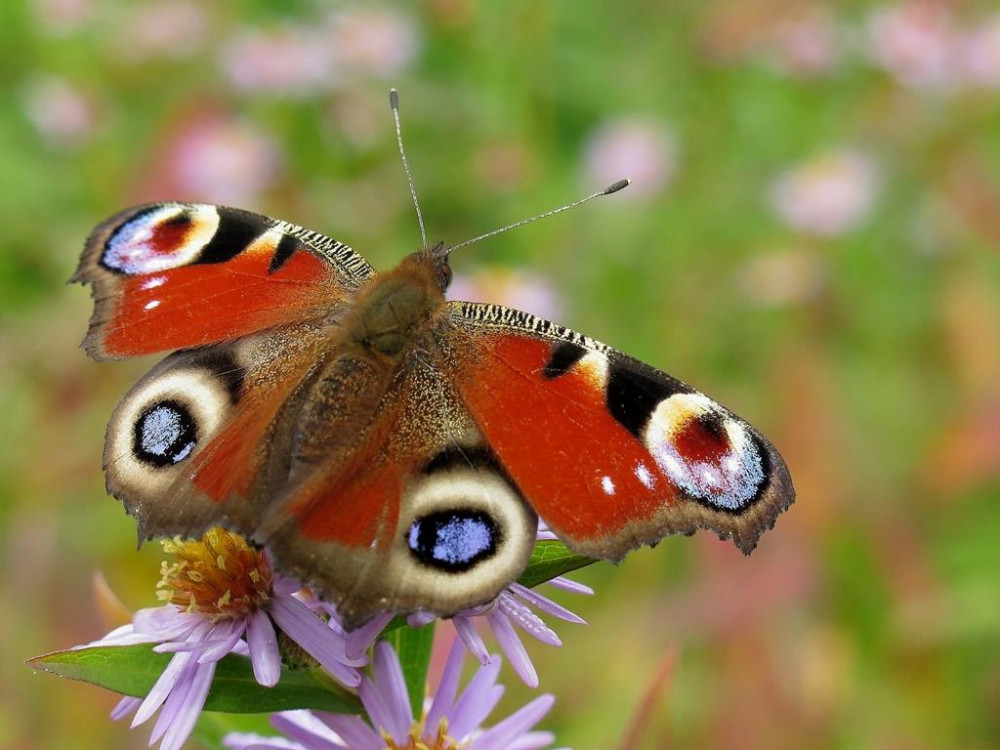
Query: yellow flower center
[(219, 575), (415, 740)]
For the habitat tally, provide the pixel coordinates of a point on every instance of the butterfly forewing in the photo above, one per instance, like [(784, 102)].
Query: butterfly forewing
[(610, 452), (168, 276)]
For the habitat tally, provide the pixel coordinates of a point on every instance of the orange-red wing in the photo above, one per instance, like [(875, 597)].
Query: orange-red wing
[(610, 452), (172, 275)]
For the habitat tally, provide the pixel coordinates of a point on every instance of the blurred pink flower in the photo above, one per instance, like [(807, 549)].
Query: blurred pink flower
[(60, 111), (60, 17), (509, 288), (915, 43), (781, 277), (163, 28), (805, 44), (223, 161), (979, 54), (290, 61), (641, 150), (827, 194), (376, 40)]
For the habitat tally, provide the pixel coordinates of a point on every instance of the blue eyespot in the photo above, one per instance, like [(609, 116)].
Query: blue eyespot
[(453, 540), (164, 434)]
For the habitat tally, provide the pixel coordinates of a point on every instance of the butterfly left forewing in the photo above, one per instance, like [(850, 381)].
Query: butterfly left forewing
[(610, 452), (168, 276)]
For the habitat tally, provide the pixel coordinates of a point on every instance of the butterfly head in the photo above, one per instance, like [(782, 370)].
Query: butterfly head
[(438, 258)]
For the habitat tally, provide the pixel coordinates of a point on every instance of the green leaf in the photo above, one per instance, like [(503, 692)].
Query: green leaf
[(413, 647), (133, 670), (550, 559)]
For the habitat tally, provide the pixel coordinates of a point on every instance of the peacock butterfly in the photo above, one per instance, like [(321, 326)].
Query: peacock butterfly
[(392, 449)]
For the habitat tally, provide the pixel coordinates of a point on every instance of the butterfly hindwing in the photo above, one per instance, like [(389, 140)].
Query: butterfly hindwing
[(169, 276), (202, 439), (610, 452)]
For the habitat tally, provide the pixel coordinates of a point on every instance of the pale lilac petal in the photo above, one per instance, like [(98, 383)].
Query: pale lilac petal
[(420, 619), (476, 702), (360, 640), (528, 741), (282, 586), (125, 706), (392, 685), (444, 698), (566, 584), (167, 681), (307, 729), (167, 623), (376, 708), (471, 638), (123, 636), (544, 533), (265, 655), (502, 735), (527, 620), (513, 648), (306, 629), (174, 703), (545, 604), (189, 711), (223, 640), (252, 741), (354, 731)]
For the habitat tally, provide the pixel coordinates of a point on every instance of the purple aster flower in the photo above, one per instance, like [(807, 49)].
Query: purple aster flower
[(222, 598), (451, 722)]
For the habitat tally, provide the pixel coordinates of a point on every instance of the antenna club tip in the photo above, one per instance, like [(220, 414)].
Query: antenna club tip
[(620, 185), (394, 98)]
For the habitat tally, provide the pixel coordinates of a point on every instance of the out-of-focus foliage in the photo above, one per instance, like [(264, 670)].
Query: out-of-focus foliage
[(813, 237)]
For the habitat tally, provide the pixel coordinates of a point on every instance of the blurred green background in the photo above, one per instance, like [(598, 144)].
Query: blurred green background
[(813, 237)]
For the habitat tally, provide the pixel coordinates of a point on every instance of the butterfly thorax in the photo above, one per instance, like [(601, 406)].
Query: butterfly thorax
[(396, 306), (395, 314)]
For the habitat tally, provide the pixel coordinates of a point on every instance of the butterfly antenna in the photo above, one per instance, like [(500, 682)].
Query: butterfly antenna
[(620, 185), (394, 103)]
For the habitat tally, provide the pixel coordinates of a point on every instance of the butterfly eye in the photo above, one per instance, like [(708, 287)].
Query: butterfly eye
[(453, 540)]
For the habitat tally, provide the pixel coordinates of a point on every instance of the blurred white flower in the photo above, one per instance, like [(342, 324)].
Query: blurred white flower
[(223, 161), (781, 277), (827, 194), (60, 111), (979, 54), (61, 17), (290, 61), (510, 288), (806, 44), (163, 28), (641, 150), (376, 40), (915, 43)]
